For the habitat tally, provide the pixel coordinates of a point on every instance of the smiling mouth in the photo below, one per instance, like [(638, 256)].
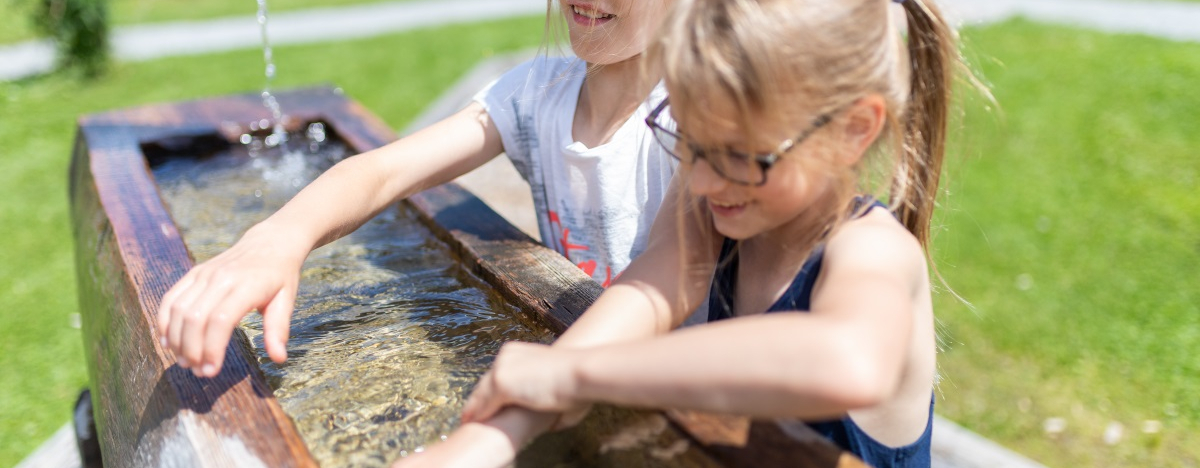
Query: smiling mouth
[(726, 208), (592, 14)]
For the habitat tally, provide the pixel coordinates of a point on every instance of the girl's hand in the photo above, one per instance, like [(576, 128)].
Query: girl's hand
[(198, 314), (529, 375), (473, 445)]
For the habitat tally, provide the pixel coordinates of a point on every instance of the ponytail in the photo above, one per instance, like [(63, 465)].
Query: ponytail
[(933, 54)]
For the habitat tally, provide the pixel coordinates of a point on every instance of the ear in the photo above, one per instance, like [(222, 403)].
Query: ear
[(863, 121)]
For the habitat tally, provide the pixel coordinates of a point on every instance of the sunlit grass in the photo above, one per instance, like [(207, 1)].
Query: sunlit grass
[(1073, 225), (40, 353)]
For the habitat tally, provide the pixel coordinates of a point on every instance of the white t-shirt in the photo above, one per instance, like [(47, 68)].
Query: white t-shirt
[(594, 205)]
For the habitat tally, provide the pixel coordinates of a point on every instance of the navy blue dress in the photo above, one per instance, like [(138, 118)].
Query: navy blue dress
[(843, 432)]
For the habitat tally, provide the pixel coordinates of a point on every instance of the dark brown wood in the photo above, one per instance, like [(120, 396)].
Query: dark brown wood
[(150, 412)]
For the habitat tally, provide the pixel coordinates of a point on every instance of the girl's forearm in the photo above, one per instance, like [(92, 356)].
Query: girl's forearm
[(354, 190), (774, 365)]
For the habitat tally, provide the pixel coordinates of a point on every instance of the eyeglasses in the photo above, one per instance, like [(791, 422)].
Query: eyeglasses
[(735, 166)]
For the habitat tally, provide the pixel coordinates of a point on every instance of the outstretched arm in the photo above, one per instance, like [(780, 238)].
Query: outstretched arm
[(261, 271), (849, 352)]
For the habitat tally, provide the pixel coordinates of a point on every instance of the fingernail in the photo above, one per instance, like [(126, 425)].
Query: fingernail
[(209, 370)]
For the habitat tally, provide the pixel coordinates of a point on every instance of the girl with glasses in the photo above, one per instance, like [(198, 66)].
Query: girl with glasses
[(790, 114)]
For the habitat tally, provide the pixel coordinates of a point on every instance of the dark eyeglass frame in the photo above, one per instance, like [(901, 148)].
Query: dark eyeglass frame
[(763, 160)]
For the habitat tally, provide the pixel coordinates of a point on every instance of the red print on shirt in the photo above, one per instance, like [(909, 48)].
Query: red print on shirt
[(588, 266)]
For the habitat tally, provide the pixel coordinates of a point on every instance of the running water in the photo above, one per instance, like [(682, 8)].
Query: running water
[(390, 331), (278, 135)]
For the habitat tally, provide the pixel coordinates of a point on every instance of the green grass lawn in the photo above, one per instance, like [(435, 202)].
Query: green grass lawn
[(15, 24), (40, 354), (1073, 225)]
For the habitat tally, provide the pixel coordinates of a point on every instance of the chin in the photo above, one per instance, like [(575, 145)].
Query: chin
[(599, 54), (735, 232)]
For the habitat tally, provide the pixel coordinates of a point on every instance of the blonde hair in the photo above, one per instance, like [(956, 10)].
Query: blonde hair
[(794, 60)]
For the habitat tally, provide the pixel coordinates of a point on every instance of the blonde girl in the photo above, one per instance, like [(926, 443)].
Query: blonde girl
[(572, 126), (820, 295)]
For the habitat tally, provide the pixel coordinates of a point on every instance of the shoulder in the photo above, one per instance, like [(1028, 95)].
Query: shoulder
[(537, 74), (876, 244)]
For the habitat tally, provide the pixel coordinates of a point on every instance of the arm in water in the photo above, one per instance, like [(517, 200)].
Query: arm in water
[(262, 270), (650, 298)]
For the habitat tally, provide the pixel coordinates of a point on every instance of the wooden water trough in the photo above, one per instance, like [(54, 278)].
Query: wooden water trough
[(150, 412)]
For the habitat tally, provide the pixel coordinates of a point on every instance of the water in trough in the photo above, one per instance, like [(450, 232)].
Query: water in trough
[(390, 331)]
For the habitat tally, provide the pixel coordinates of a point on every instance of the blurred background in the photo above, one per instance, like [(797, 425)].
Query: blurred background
[(1069, 219)]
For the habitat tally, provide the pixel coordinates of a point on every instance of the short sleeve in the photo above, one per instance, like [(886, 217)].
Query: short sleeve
[(503, 100)]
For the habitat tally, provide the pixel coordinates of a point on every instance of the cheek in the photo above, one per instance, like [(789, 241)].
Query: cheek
[(788, 190)]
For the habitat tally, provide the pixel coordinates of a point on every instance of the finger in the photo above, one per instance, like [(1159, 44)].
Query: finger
[(221, 323), (277, 323), (572, 417), (487, 402), (181, 308), (475, 401), (164, 307), (196, 322)]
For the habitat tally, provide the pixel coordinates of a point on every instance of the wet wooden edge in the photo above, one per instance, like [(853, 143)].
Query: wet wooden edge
[(538, 280), (150, 412)]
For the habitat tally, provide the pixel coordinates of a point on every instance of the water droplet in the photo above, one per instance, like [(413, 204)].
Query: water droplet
[(1024, 282), (253, 126), (403, 453), (246, 139), (419, 449), (264, 123), (258, 194), (443, 435)]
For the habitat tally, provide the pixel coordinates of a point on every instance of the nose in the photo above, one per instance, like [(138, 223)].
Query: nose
[(704, 181)]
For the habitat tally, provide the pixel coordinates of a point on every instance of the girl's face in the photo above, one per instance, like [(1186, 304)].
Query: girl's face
[(793, 184), (610, 31)]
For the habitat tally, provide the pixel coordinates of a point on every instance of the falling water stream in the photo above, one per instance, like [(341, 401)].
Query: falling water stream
[(278, 135)]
